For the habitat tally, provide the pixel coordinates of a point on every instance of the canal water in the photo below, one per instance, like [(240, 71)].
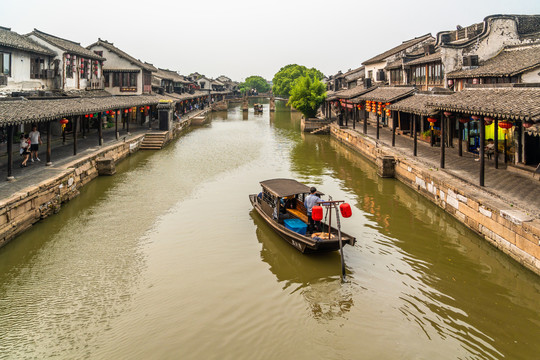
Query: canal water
[(166, 259)]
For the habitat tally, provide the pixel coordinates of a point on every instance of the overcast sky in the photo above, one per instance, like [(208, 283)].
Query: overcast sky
[(239, 38)]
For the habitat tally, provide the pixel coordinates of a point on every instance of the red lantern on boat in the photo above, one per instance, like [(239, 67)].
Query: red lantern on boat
[(505, 125), (317, 213), (345, 210)]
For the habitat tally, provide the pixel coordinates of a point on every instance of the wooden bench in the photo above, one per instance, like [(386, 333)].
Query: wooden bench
[(300, 215)]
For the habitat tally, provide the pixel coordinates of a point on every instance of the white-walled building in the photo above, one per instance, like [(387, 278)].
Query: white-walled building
[(123, 74), (79, 68), (24, 64)]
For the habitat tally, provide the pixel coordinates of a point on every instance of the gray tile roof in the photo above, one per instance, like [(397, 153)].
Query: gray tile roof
[(13, 40), (110, 46), (67, 46), (349, 93), (29, 111), (386, 94), (404, 45), (415, 104), (512, 103), (509, 62), (425, 59)]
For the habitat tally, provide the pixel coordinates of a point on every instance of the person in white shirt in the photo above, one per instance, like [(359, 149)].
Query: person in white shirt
[(310, 201), (35, 141)]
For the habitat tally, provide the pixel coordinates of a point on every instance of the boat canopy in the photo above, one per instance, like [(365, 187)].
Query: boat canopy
[(285, 187)]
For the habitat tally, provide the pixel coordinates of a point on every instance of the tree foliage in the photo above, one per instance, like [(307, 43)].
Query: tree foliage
[(284, 79), (254, 82), (307, 94)]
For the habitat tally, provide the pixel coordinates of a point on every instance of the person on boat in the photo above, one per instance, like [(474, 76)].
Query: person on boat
[(310, 201)]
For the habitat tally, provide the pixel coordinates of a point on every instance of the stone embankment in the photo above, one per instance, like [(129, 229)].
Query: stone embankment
[(30, 205), (511, 230)]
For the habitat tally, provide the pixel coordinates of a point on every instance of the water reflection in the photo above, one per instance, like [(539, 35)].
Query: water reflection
[(315, 276)]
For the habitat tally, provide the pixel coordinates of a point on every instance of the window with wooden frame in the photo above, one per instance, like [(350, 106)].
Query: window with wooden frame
[(71, 67), (116, 79), (5, 63), (84, 69), (37, 65), (107, 76), (396, 76)]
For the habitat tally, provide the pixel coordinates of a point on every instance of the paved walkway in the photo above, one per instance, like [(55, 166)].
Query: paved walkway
[(521, 191), (61, 154)]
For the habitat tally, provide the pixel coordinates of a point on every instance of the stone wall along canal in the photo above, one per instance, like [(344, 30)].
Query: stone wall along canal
[(166, 260)]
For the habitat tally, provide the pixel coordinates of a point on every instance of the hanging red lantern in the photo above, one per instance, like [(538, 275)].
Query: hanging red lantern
[(148, 108), (91, 115), (447, 113), (387, 103), (86, 115), (126, 111), (464, 120), (487, 120), (475, 117), (345, 210), (107, 112), (527, 124), (317, 213), (64, 121), (505, 125), (431, 120)]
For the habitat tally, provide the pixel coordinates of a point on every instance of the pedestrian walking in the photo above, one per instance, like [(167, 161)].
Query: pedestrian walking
[(24, 149), (35, 141)]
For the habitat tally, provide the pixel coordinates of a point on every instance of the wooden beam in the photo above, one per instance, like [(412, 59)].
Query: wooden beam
[(496, 141), (100, 130), (415, 146), (75, 120)]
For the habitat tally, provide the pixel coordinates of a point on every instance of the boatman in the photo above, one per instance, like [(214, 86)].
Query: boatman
[(310, 201)]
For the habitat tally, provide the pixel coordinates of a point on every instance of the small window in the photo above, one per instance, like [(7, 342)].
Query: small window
[(99, 53), (5, 63), (116, 79), (107, 76)]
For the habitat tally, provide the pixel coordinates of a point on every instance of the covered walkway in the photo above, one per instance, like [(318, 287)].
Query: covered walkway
[(519, 189)]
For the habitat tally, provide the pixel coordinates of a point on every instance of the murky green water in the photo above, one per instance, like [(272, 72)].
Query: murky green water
[(166, 260)]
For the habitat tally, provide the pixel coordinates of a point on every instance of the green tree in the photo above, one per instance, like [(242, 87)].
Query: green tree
[(254, 82), (284, 79), (307, 94)]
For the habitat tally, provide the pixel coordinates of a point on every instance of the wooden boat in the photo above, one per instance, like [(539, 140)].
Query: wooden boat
[(258, 108), (287, 195)]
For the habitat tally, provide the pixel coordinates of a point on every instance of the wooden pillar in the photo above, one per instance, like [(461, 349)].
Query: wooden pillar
[(355, 116), (519, 141), (365, 121), (496, 142), (377, 126), (10, 153), (346, 116), (117, 135), (481, 150), (49, 143), (468, 135), (451, 127), (100, 130), (460, 139), (75, 129), (83, 126), (443, 135), (393, 131), (415, 146), (128, 118)]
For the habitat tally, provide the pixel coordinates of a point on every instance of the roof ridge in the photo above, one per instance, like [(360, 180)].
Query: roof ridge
[(56, 37)]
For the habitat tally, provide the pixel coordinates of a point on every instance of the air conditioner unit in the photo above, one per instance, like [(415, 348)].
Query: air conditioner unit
[(3, 80)]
